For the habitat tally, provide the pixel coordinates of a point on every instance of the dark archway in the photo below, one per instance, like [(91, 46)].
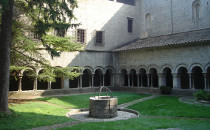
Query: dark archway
[(28, 80), (74, 83), (98, 78), (108, 79), (57, 84), (153, 77), (86, 78), (41, 85), (14, 79), (184, 77), (142, 78), (168, 77), (133, 78), (197, 78), (124, 77), (208, 78)]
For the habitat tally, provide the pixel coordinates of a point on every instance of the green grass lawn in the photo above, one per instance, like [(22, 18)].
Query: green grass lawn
[(144, 124), (82, 101), (33, 114), (170, 106)]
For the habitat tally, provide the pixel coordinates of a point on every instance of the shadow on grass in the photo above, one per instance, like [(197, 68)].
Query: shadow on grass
[(32, 115)]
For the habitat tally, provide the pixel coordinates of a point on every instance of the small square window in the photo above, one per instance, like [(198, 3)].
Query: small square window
[(130, 25), (80, 35), (99, 37)]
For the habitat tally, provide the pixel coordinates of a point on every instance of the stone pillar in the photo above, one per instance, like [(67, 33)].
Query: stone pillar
[(176, 80), (35, 84), (138, 80), (92, 81), (142, 85), (190, 81), (160, 79), (80, 80), (148, 75), (49, 85), (129, 85), (205, 80), (151, 80), (20, 83), (66, 84), (103, 77)]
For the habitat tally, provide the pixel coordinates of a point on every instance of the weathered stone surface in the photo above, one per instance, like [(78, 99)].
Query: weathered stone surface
[(101, 107)]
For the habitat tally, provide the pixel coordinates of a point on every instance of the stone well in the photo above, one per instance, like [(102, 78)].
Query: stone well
[(103, 107)]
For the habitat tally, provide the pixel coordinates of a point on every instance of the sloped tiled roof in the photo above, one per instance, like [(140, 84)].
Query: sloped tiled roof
[(167, 40)]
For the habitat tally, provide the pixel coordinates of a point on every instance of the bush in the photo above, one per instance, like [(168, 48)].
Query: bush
[(166, 90), (202, 95)]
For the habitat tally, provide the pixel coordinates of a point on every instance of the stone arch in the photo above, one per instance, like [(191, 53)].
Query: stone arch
[(87, 77), (166, 66), (28, 79), (197, 77), (198, 65), (183, 77), (142, 77), (179, 66), (133, 77), (124, 77), (99, 68), (41, 85), (153, 67), (196, 10), (167, 74), (153, 77), (98, 77), (14, 80), (89, 68)]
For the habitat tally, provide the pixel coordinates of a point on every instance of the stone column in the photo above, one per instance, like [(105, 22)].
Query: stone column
[(66, 84), (176, 80), (35, 84), (20, 83), (160, 79), (148, 75), (151, 80), (190, 80), (205, 80), (49, 86), (80, 80), (92, 80), (142, 85), (103, 77), (138, 80), (129, 85)]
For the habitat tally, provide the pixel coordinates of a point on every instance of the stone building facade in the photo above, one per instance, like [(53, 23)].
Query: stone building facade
[(135, 44)]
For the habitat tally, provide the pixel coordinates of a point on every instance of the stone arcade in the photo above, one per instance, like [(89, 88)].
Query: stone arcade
[(135, 45)]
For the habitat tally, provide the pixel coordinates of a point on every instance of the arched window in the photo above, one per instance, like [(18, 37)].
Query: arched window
[(148, 21), (196, 8)]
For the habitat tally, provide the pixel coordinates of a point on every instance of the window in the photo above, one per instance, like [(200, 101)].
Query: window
[(129, 2), (80, 35), (60, 32), (196, 8), (130, 25), (99, 37)]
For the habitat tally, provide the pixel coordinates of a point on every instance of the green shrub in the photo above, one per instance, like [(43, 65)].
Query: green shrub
[(202, 95), (207, 97), (165, 90)]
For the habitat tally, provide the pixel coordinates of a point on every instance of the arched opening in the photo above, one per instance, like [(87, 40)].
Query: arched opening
[(208, 78), (148, 21), (124, 77), (184, 78), (153, 78), (197, 78), (86, 78), (108, 79), (41, 85), (168, 77), (133, 78), (74, 83), (98, 78), (28, 80), (196, 7), (14, 79), (57, 84), (142, 78)]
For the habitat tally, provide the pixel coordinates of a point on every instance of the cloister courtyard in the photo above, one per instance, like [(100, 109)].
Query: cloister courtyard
[(155, 112)]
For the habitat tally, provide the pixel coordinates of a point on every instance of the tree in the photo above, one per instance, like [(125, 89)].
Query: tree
[(44, 15)]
